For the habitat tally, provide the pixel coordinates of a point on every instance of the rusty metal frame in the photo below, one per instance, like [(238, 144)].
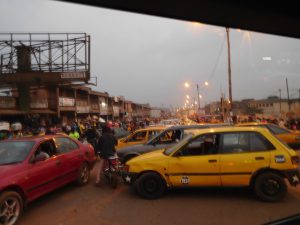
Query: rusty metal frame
[(50, 52)]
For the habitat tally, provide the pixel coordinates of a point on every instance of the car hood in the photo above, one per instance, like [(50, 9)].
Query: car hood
[(9, 170), (138, 148), (155, 156)]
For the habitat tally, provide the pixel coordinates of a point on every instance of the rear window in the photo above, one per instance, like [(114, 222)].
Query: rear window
[(239, 142)]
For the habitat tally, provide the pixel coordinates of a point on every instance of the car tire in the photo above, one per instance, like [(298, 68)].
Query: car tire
[(12, 204), (270, 187), (84, 174), (150, 185)]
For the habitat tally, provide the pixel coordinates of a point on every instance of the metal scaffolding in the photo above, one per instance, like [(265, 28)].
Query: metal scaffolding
[(44, 52)]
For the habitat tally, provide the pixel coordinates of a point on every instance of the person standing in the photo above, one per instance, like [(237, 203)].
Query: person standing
[(74, 133), (105, 149)]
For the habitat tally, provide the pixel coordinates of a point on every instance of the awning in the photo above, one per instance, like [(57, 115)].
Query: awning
[(21, 112)]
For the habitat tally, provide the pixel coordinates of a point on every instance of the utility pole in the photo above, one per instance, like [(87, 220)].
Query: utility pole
[(198, 97), (280, 101), (288, 93), (229, 70)]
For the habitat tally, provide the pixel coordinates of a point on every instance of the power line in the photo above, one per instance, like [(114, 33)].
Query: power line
[(217, 61)]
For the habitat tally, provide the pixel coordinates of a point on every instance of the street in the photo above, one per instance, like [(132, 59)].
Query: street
[(72, 205)]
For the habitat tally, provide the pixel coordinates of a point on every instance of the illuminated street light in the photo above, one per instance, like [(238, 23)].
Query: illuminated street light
[(186, 84), (187, 96)]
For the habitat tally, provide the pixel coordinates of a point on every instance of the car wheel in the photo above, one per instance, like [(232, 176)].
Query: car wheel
[(84, 174), (270, 187), (11, 207), (150, 185)]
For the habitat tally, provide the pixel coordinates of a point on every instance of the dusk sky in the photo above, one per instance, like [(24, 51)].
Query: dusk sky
[(148, 59)]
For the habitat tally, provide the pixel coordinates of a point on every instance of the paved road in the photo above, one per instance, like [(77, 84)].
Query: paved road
[(90, 205)]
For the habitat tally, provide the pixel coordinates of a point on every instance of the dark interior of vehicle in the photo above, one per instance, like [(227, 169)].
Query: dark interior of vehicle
[(261, 16)]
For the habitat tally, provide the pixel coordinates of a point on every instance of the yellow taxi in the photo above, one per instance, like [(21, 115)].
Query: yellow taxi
[(227, 156), (292, 138), (140, 136)]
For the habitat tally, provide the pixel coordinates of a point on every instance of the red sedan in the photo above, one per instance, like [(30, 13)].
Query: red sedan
[(32, 167)]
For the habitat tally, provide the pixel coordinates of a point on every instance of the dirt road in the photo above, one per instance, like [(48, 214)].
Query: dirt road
[(90, 205)]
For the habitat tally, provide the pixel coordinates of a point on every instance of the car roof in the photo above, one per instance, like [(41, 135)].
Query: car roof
[(202, 126), (253, 124), (152, 128), (36, 138), (230, 129)]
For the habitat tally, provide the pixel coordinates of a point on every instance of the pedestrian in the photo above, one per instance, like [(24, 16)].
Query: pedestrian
[(105, 149), (74, 133)]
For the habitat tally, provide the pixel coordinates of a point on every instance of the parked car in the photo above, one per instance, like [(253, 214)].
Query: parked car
[(32, 167), (240, 156), (292, 138), (167, 138), (120, 132), (140, 136)]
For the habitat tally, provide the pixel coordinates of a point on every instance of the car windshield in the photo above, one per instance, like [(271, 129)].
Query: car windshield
[(171, 149), (14, 152)]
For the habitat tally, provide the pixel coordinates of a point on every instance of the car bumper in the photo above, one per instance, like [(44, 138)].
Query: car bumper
[(293, 176), (128, 177)]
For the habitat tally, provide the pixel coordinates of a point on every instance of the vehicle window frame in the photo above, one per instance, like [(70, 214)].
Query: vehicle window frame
[(70, 140), (195, 138), (42, 142), (130, 139), (249, 143)]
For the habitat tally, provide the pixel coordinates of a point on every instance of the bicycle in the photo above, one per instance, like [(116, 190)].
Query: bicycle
[(111, 170)]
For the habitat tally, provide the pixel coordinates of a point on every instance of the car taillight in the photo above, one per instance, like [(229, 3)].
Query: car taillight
[(295, 160)]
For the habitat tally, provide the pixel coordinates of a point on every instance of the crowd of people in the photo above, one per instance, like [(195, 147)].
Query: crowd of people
[(79, 129)]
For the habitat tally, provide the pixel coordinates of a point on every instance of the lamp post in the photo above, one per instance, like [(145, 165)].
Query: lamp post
[(229, 69), (198, 96), (187, 85)]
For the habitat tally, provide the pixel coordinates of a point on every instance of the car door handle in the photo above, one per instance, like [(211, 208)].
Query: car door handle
[(259, 158), (58, 162), (212, 160)]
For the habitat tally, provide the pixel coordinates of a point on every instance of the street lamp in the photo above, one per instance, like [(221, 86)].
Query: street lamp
[(186, 84)]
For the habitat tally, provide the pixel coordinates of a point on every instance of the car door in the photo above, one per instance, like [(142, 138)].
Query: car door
[(44, 176), (243, 153), (73, 155), (138, 137), (194, 165)]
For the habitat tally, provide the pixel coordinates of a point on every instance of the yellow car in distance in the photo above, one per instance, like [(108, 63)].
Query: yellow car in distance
[(292, 138), (226, 156), (140, 136)]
